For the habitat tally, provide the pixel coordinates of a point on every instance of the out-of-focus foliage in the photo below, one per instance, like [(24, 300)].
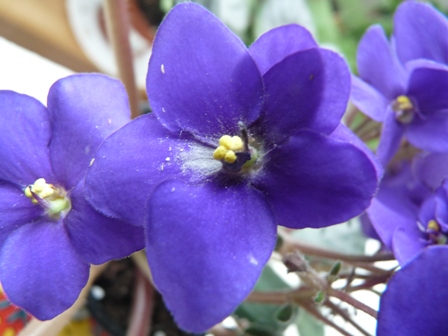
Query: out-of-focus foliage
[(336, 24)]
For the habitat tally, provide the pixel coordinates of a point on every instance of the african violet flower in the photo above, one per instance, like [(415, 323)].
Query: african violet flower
[(410, 210), (227, 155), (414, 302), (409, 97), (49, 234), (424, 37)]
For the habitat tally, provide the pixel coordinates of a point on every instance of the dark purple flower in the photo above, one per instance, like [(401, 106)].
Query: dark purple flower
[(410, 209), (409, 97), (415, 300), (49, 234), (227, 155)]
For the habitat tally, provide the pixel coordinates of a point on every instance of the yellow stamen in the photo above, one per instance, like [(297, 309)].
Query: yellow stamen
[(220, 153), (404, 103), (227, 147), (53, 200), (230, 157), (237, 144), (226, 141), (433, 226)]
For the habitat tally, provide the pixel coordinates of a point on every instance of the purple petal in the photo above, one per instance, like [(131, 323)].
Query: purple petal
[(315, 181), (390, 210), (414, 302), (40, 271), (407, 242), (378, 65), (206, 247), (431, 168), (420, 32), (430, 134), (441, 212), (433, 100), (84, 110), (24, 137), (130, 163), (201, 77), (15, 210), (390, 138), (344, 134), (98, 238), (368, 99), (308, 89), (274, 45)]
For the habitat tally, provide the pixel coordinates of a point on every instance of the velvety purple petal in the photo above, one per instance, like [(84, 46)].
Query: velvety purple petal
[(431, 100), (308, 89), (368, 99), (390, 138), (378, 65), (201, 77), (390, 210), (206, 246), (430, 134), (344, 134), (407, 242), (40, 271), (427, 211), (431, 168), (84, 110), (130, 163), (420, 32), (414, 302), (274, 45), (315, 181), (441, 212), (24, 136), (15, 210), (98, 238)]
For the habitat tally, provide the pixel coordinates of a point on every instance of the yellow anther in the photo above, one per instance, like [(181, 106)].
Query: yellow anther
[(28, 192), (53, 199), (404, 103), (226, 141), (433, 226), (227, 147), (220, 153), (237, 144), (39, 185), (230, 157)]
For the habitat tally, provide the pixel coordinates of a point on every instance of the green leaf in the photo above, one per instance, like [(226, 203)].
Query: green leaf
[(268, 319), (345, 238), (309, 326)]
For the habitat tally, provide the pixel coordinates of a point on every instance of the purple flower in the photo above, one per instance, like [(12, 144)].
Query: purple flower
[(405, 93), (227, 155), (415, 300), (410, 210), (49, 234), (424, 37)]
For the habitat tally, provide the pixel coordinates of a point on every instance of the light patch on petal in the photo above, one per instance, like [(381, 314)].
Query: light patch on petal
[(252, 259), (199, 160)]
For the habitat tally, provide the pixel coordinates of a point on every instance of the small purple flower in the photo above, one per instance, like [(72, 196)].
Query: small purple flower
[(409, 97), (410, 209), (415, 300), (227, 155), (49, 234)]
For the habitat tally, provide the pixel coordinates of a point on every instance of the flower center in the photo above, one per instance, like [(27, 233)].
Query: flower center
[(54, 200), (404, 109), (435, 233), (234, 153)]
